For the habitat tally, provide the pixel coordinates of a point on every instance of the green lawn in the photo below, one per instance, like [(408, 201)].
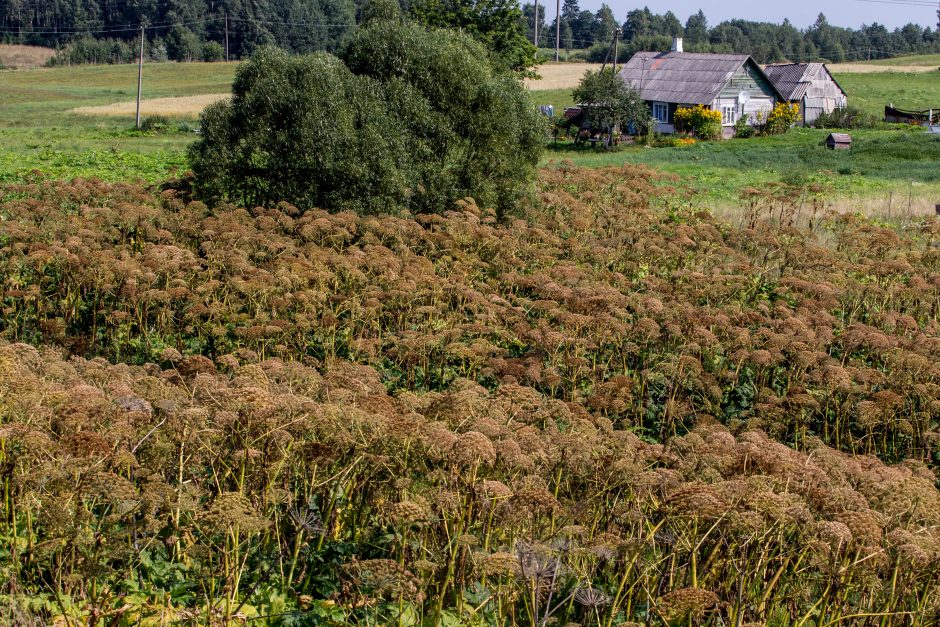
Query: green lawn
[(880, 162), (871, 92), (37, 130)]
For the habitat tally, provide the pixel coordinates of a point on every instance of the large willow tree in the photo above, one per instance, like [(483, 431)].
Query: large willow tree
[(405, 118)]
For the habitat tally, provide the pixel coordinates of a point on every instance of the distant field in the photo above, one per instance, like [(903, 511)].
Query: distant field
[(932, 60), (24, 57), (177, 107), (39, 130), (869, 68), (871, 92), (560, 75), (881, 163)]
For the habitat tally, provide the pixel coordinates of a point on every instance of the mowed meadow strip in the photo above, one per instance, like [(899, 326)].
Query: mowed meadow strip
[(605, 409), (560, 75), (181, 106)]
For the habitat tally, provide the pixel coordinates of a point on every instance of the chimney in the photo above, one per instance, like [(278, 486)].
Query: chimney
[(677, 44)]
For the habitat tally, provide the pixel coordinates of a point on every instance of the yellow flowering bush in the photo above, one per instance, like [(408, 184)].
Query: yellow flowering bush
[(698, 120), (783, 116)]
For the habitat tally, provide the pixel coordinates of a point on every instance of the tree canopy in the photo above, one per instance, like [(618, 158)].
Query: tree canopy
[(184, 29), (767, 42), (406, 117), (495, 23), (609, 102)]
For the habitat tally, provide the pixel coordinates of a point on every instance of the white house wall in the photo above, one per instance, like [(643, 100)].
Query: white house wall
[(753, 108)]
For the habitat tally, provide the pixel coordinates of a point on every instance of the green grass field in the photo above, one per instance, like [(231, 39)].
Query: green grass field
[(871, 92), (37, 131), (880, 163), (924, 59)]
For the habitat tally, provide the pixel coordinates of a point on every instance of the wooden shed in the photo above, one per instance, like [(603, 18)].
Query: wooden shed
[(810, 85), (839, 141)]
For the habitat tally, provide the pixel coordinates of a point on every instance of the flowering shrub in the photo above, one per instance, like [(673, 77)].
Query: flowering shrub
[(782, 117), (698, 120), (603, 411)]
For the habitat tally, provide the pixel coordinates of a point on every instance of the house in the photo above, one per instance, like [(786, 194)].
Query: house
[(810, 85), (731, 83)]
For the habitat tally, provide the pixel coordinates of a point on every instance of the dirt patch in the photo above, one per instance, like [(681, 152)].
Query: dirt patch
[(24, 57), (870, 68), (180, 107), (560, 75)]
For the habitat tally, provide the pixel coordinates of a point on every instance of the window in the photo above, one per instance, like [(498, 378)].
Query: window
[(729, 114), (661, 112)]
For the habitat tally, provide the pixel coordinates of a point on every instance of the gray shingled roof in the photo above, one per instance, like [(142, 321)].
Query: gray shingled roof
[(792, 79), (681, 77)]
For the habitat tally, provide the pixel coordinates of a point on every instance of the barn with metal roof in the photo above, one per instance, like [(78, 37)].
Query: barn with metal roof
[(810, 85)]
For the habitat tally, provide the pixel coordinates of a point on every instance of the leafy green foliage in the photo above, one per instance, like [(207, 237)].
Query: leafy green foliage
[(847, 117), (610, 103), (414, 119), (743, 128), (497, 24), (305, 130), (782, 118)]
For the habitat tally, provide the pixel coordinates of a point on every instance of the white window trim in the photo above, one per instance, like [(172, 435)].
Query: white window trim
[(661, 108), (729, 115)]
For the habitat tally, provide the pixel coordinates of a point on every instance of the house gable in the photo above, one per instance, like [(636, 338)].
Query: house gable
[(809, 84), (751, 80)]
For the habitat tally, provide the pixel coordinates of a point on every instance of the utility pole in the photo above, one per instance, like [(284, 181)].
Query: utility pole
[(226, 36), (140, 73), (616, 42), (558, 27), (536, 36)]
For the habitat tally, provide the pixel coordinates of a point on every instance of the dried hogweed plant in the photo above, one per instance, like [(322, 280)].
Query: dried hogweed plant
[(598, 412)]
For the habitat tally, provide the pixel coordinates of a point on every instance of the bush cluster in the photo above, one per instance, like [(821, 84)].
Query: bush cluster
[(408, 118), (699, 120), (94, 51), (781, 118), (847, 117)]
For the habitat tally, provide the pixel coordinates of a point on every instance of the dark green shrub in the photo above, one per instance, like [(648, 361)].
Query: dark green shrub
[(213, 51), (743, 128), (848, 117), (155, 124), (414, 119), (611, 103), (88, 50)]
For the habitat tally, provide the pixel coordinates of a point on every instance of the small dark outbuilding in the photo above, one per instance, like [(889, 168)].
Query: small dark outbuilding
[(839, 141)]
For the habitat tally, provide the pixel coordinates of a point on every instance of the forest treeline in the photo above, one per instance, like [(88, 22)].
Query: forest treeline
[(766, 42), (105, 31)]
